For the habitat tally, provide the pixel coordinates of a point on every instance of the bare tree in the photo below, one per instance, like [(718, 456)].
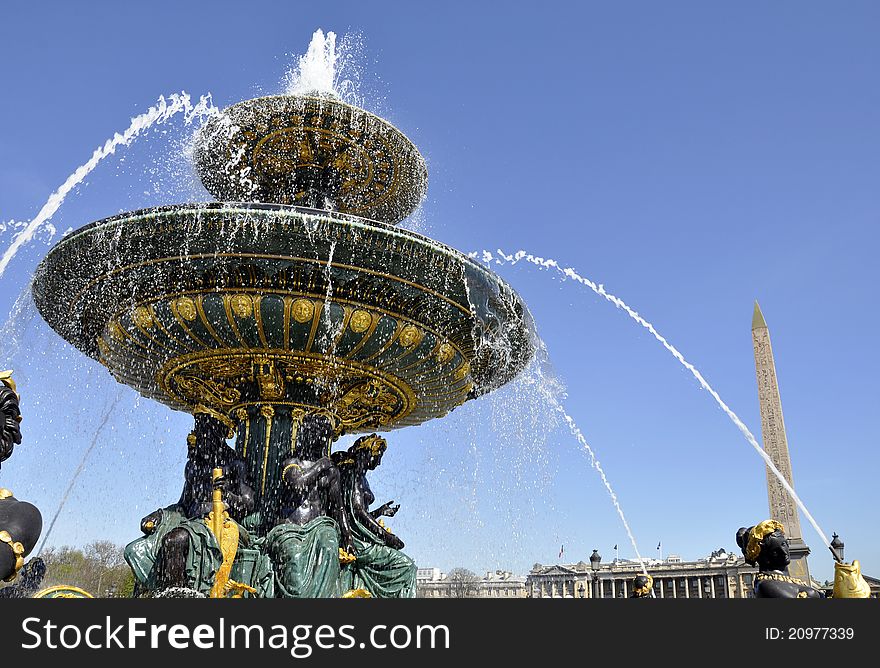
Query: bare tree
[(463, 583)]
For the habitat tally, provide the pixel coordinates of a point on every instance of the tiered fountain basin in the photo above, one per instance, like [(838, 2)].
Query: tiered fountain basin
[(260, 313), (235, 305)]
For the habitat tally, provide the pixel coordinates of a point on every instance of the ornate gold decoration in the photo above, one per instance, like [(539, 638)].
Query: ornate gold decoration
[(269, 379), (353, 394), (242, 415), (375, 444), (357, 593), (303, 310), (848, 581), (445, 352), (346, 557), (381, 523), (267, 411), (191, 439), (206, 390), (116, 331), (63, 591), (142, 317), (186, 307), (237, 589), (290, 466), (360, 321), (242, 305), (779, 577), (4, 493), (369, 403), (226, 533), (17, 549), (462, 371), (381, 174), (410, 336), (756, 535), (6, 379)]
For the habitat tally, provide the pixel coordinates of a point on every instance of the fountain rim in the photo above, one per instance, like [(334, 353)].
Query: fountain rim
[(366, 224), (320, 100)]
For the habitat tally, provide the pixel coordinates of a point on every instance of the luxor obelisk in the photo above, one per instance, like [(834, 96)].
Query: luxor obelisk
[(782, 506)]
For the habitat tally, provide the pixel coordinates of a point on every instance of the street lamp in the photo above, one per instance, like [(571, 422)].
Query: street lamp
[(837, 548), (595, 560)]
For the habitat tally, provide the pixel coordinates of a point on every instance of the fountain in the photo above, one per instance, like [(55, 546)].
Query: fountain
[(291, 299)]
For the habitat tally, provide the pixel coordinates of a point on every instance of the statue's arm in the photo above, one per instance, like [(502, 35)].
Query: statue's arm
[(360, 510), (302, 475)]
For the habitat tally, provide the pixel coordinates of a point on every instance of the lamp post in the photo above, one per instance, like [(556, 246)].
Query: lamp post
[(595, 560), (837, 548)]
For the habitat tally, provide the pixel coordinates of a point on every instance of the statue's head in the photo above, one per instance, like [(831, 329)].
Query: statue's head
[(765, 544), (315, 433), (369, 450), (641, 586), (11, 415)]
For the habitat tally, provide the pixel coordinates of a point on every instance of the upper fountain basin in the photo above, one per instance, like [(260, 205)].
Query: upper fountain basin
[(313, 151)]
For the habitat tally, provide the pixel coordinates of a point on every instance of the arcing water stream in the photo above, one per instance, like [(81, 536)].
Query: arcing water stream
[(488, 257), (159, 113)]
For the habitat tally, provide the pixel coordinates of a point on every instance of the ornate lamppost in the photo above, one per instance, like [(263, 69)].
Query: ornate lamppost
[(595, 560)]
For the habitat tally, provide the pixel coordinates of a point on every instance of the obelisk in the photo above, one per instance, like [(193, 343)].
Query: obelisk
[(782, 507)]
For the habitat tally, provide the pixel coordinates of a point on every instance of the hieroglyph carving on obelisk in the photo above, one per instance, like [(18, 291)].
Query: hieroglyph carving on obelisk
[(782, 506)]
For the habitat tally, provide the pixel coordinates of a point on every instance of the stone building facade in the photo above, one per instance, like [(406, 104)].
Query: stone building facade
[(432, 583), (721, 575)]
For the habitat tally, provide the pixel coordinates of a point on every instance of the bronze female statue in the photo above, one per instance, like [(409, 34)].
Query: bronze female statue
[(314, 535), (380, 567), (766, 545)]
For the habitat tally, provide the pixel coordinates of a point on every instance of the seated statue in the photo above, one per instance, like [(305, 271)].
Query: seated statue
[(641, 586), (766, 545), (313, 534), (178, 549), (380, 567), (20, 522)]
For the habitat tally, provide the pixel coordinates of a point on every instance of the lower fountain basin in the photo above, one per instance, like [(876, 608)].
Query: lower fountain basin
[(230, 305)]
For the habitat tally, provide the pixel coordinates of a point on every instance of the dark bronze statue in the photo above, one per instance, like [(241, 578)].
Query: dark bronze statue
[(766, 545), (20, 522), (380, 567), (178, 550), (312, 480), (641, 586), (313, 536)]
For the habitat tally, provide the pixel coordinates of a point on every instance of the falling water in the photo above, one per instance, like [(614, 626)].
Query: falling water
[(161, 112), (554, 400), (568, 272)]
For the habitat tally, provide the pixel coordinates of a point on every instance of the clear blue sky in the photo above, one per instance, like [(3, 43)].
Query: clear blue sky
[(690, 156)]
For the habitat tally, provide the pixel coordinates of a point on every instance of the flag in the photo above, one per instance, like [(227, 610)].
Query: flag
[(615, 547), (561, 550), (658, 546)]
